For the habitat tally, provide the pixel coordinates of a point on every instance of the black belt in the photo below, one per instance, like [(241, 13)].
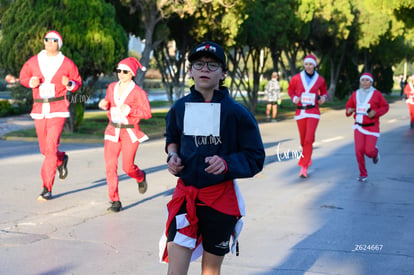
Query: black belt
[(47, 100), (305, 107), (365, 125), (119, 125)]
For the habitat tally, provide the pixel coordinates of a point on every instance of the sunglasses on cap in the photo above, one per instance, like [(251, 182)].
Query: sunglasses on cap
[(51, 39), (122, 71)]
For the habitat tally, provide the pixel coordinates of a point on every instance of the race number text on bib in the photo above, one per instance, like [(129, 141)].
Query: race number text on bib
[(362, 109), (47, 90), (307, 98)]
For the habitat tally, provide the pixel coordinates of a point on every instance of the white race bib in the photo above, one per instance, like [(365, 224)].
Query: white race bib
[(202, 119), (307, 98), (362, 109), (117, 116), (47, 90)]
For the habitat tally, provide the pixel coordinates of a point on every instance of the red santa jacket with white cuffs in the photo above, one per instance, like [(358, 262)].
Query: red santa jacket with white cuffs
[(375, 101), (50, 69), (307, 93), (138, 108)]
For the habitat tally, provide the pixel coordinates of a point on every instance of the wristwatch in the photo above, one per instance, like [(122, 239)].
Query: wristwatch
[(170, 155)]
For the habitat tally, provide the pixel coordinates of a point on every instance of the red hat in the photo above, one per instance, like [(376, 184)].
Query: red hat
[(367, 76), (55, 34), (131, 64), (310, 58)]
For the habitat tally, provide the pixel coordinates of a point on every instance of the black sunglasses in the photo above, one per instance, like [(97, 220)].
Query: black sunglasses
[(51, 39), (123, 71)]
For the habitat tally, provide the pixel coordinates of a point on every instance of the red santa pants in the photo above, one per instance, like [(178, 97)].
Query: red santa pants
[(307, 128), (411, 109), (111, 154), (365, 145), (48, 132)]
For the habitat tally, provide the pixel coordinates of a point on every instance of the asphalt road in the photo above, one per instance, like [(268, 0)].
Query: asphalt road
[(327, 224)]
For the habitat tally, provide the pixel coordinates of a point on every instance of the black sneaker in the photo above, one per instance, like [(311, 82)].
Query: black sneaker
[(116, 206), (142, 185), (45, 195), (376, 159), (63, 169)]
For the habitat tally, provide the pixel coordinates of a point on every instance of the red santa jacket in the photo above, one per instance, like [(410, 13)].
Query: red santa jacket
[(374, 101), (308, 94), (50, 71), (138, 108), (409, 92)]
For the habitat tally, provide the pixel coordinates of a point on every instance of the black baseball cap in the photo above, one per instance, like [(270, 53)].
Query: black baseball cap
[(208, 48)]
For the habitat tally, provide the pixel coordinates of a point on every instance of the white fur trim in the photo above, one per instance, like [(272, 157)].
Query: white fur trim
[(303, 114), (367, 77), (54, 35), (309, 60), (125, 67), (365, 132)]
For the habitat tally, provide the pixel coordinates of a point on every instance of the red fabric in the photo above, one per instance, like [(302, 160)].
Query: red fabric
[(307, 128), (297, 87), (365, 145), (48, 133), (409, 92), (111, 154), (137, 100), (221, 197), (68, 68), (377, 103)]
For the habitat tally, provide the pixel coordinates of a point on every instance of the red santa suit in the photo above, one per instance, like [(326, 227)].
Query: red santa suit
[(409, 92), (366, 129), (123, 133), (307, 110), (50, 106)]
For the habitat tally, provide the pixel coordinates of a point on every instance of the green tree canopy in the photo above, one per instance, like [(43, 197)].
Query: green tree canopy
[(91, 38)]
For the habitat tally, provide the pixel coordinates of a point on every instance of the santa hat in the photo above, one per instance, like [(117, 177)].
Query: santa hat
[(55, 34), (130, 64), (367, 76), (310, 59)]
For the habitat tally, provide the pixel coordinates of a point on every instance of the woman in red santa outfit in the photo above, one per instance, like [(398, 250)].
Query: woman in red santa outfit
[(50, 74), (409, 92), (307, 90), (127, 104), (367, 104)]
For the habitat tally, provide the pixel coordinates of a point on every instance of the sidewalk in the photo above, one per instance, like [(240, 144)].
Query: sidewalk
[(14, 123)]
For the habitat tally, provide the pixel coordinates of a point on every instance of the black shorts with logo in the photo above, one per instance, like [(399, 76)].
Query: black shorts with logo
[(215, 228)]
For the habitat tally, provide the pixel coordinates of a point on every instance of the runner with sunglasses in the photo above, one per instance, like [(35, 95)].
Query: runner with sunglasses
[(127, 104), (50, 74), (210, 140)]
